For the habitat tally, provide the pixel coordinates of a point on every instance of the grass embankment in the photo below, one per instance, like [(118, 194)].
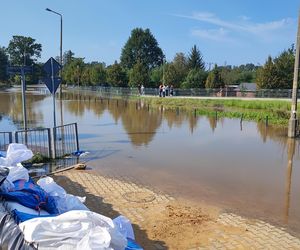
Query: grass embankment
[(275, 112)]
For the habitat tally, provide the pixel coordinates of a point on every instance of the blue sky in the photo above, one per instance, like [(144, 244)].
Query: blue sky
[(226, 31)]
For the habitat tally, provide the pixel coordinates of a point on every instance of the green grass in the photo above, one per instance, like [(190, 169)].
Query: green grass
[(221, 103), (276, 112)]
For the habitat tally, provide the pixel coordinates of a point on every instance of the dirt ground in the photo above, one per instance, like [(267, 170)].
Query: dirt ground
[(184, 225), (159, 222)]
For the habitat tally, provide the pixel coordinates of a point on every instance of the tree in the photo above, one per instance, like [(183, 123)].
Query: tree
[(116, 76), (277, 73), (195, 60), (195, 79), (267, 75), (3, 64), (284, 64), (156, 76), (98, 74), (72, 72), (68, 56), (214, 79), (177, 71), (23, 50), (139, 75), (141, 46), (86, 75)]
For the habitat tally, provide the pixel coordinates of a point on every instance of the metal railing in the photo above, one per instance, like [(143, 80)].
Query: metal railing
[(65, 139), (197, 92), (38, 140), (5, 140)]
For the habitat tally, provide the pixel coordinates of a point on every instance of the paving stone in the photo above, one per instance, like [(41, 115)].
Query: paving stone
[(111, 188)]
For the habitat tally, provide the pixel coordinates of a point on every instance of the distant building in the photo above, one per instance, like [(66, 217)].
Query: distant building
[(246, 89)]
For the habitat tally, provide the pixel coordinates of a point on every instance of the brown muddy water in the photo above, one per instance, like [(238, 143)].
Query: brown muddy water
[(246, 168)]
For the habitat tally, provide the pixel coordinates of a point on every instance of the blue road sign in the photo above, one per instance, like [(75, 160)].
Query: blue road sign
[(52, 86), (17, 70), (51, 67)]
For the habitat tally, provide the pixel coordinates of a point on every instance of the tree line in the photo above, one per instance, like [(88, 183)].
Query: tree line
[(142, 61)]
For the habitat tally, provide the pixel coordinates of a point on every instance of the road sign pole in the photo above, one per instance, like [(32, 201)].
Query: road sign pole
[(24, 98), (53, 94), (293, 122)]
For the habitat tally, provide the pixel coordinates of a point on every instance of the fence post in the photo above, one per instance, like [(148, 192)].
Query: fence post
[(54, 143), (10, 137), (76, 135), (16, 137), (49, 143)]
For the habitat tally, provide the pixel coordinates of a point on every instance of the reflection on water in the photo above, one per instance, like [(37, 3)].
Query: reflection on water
[(246, 167), (11, 105)]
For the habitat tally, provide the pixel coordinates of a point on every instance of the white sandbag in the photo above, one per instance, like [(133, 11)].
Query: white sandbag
[(50, 186), (17, 173), (69, 202), (64, 202), (124, 226), (15, 154), (74, 228)]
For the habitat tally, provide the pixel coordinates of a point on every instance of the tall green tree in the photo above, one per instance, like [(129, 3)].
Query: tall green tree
[(68, 56), (116, 76), (156, 76), (177, 71), (139, 75), (195, 59), (3, 64), (195, 79), (23, 50), (284, 64), (267, 75), (72, 72), (214, 79), (98, 74), (141, 46), (277, 73)]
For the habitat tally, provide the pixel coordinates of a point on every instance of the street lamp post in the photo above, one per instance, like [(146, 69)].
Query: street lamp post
[(60, 61), (61, 30), (293, 122)]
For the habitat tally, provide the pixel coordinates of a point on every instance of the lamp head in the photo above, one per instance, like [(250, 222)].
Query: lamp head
[(48, 9)]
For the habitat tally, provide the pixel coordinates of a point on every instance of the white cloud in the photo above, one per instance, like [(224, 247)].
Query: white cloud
[(220, 34), (243, 25)]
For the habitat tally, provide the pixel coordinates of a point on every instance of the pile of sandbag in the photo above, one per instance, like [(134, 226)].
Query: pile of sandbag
[(51, 218)]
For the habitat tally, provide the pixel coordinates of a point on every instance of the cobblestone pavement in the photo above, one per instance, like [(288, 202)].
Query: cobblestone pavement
[(104, 194)]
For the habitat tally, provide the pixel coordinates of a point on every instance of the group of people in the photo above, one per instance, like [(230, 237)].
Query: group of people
[(165, 90)]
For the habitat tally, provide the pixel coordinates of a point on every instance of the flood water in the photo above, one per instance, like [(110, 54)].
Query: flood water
[(248, 168)]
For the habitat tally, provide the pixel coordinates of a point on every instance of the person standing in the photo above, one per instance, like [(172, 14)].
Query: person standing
[(142, 89), (160, 90), (171, 90)]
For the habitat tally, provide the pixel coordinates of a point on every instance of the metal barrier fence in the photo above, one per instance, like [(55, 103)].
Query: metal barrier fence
[(5, 139), (38, 140), (65, 139), (225, 92)]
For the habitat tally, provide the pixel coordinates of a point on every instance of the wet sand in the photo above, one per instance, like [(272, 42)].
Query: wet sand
[(161, 221)]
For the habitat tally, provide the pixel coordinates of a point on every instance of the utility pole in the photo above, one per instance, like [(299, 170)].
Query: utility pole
[(293, 122)]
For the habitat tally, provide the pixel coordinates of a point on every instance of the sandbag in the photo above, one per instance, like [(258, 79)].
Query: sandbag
[(64, 202), (74, 229), (30, 195), (15, 154)]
